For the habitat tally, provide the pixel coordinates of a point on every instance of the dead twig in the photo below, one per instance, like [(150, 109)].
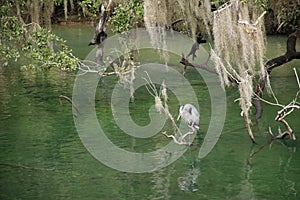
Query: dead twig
[(181, 140), (285, 111)]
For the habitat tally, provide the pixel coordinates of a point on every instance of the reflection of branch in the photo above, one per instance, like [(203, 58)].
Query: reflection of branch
[(13, 165), (252, 154), (188, 181)]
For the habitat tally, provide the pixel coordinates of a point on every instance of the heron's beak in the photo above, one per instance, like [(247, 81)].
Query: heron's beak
[(178, 117)]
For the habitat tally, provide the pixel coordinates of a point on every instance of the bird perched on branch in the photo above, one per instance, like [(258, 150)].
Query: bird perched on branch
[(190, 115), (195, 46)]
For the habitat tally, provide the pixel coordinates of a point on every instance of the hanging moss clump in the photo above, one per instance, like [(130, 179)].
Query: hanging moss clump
[(238, 30)]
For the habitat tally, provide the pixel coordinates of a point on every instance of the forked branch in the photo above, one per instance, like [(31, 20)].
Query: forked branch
[(285, 111)]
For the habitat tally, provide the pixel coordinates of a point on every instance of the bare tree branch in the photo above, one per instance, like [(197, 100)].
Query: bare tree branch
[(203, 66), (290, 54), (284, 112)]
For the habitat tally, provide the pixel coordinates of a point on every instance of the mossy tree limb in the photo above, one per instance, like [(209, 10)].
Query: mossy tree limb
[(290, 55)]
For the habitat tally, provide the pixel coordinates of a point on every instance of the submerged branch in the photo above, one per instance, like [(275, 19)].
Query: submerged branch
[(13, 165), (70, 101)]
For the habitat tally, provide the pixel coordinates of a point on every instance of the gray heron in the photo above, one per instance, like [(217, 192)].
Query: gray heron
[(190, 115)]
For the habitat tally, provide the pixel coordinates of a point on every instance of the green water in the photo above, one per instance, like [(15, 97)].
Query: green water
[(42, 156)]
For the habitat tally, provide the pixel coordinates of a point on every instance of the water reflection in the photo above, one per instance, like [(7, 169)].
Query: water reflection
[(246, 190), (188, 182), (280, 168), (161, 184), (37, 132)]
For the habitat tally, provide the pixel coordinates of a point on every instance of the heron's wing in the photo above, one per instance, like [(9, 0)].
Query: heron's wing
[(196, 116), (190, 110)]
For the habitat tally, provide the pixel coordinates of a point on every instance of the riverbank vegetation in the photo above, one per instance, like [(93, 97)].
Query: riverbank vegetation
[(26, 24), (238, 29)]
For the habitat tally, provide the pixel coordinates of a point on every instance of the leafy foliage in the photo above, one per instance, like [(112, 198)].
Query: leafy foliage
[(289, 17), (286, 14), (38, 48), (10, 29), (126, 16), (90, 7), (42, 48)]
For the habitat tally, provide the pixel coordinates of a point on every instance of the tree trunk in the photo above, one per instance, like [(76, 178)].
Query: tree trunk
[(18, 9), (34, 10), (47, 10), (100, 34), (66, 9), (72, 4)]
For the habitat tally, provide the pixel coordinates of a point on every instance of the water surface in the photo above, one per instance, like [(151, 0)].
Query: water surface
[(42, 156)]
